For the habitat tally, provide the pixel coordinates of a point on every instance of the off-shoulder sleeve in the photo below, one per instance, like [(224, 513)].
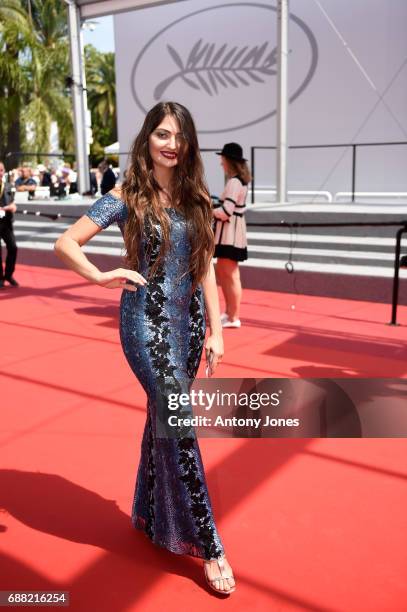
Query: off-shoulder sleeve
[(229, 200), (107, 210)]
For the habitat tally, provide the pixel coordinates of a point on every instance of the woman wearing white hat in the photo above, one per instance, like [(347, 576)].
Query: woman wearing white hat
[(230, 230)]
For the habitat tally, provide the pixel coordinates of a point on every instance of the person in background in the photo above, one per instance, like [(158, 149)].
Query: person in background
[(65, 181), (108, 177), (7, 208), (13, 175), (93, 183), (26, 182), (35, 174), (45, 176), (54, 182), (230, 230)]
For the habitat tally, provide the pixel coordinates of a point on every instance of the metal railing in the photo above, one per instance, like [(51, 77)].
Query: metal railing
[(296, 196), (253, 150), (396, 277), (288, 225), (372, 195), (37, 154), (354, 146)]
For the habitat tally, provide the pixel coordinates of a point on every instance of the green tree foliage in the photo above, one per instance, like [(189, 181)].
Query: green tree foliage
[(101, 87), (14, 81), (34, 64)]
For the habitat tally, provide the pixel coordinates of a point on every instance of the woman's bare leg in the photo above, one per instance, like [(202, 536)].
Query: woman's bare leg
[(232, 287), (221, 278)]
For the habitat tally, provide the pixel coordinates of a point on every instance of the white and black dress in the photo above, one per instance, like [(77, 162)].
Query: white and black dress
[(230, 223)]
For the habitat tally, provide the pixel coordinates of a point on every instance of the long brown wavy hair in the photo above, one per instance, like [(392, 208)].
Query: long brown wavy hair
[(240, 169), (188, 191)]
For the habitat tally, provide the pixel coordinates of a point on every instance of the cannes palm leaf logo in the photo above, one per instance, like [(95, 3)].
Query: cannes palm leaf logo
[(210, 69)]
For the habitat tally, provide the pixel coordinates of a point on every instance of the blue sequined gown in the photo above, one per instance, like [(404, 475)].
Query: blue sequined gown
[(162, 331)]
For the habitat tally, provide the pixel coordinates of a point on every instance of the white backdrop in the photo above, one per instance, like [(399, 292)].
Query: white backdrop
[(218, 59)]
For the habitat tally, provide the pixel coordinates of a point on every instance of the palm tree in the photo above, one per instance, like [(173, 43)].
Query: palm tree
[(14, 83), (35, 33), (34, 64), (49, 67), (101, 88)]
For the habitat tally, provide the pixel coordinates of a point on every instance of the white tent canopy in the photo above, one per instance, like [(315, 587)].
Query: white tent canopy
[(80, 10), (112, 149), (97, 8)]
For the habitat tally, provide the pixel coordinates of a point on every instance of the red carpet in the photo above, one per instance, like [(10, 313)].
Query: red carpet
[(308, 524)]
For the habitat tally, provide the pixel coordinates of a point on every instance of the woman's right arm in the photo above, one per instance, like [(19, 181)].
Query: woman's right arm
[(68, 249), (228, 200)]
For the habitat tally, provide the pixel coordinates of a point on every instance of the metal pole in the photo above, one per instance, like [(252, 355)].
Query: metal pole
[(252, 165), (78, 97), (353, 172), (396, 276), (283, 15)]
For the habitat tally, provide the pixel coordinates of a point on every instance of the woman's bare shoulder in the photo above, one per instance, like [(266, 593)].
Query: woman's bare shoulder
[(116, 192)]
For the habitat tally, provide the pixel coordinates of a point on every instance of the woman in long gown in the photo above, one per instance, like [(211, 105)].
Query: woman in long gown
[(163, 210)]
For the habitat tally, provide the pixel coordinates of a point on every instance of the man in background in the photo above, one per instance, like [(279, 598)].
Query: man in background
[(26, 182), (7, 208), (45, 176), (108, 177)]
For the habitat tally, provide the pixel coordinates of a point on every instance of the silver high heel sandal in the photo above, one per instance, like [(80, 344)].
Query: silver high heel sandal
[(223, 576)]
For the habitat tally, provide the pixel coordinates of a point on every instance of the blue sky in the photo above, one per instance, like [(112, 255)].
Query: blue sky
[(102, 36)]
